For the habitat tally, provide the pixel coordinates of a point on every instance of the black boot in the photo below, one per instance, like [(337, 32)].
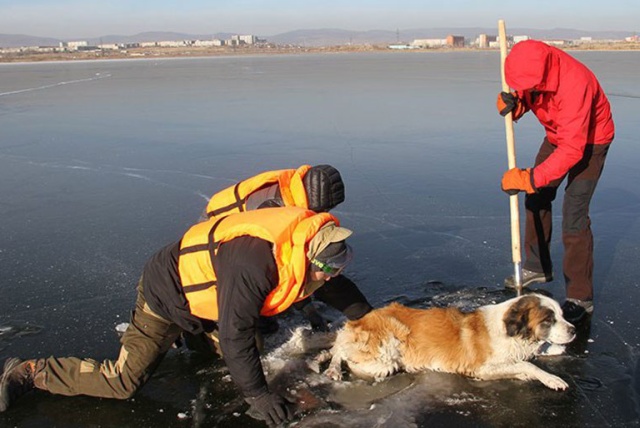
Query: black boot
[(17, 380)]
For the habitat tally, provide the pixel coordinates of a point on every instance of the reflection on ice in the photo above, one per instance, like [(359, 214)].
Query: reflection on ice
[(97, 76), (16, 329)]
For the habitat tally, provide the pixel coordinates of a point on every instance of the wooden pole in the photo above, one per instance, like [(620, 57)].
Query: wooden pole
[(511, 155)]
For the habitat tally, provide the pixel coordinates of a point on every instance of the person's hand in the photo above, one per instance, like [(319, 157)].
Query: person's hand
[(518, 180), (271, 408), (507, 102), (317, 321)]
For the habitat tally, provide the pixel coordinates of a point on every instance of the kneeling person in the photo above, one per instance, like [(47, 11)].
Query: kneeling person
[(228, 271)]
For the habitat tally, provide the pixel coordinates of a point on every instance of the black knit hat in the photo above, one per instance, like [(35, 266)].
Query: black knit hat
[(324, 188)]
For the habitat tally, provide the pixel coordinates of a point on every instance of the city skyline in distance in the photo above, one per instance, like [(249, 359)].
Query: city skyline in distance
[(69, 19), (325, 37)]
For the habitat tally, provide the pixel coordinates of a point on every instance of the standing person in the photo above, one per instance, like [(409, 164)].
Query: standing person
[(226, 272), (569, 102)]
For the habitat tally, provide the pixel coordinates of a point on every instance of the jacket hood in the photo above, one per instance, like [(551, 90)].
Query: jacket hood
[(532, 65)]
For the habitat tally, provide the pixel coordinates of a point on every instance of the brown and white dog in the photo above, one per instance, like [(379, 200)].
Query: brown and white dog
[(492, 342)]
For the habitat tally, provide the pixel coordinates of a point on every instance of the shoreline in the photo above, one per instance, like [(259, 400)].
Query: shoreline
[(194, 52)]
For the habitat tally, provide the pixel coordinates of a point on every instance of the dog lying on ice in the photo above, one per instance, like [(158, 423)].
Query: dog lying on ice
[(492, 342)]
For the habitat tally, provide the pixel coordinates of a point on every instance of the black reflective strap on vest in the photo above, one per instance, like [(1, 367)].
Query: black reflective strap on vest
[(211, 247), (239, 203), (198, 287)]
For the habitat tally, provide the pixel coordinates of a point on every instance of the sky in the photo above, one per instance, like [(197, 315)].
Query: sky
[(76, 18)]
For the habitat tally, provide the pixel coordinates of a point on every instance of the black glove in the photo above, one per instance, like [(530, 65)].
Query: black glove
[(506, 102), (271, 408), (318, 323)]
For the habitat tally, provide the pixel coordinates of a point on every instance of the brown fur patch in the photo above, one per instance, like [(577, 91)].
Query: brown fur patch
[(443, 339)]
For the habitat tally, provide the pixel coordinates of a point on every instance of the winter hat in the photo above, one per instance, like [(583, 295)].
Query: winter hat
[(334, 258), (324, 188), (327, 235), (330, 249), (329, 242)]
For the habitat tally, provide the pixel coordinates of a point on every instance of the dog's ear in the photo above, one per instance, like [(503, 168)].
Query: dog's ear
[(515, 323), (516, 319)]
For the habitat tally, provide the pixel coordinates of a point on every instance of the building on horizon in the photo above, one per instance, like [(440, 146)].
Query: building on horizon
[(556, 42), (110, 46), (246, 39), (450, 41), (455, 41), (429, 43), (484, 40), (249, 39), (401, 46), (496, 44), (74, 46), (518, 39)]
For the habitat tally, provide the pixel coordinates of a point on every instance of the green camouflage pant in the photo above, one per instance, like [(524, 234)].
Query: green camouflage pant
[(144, 344)]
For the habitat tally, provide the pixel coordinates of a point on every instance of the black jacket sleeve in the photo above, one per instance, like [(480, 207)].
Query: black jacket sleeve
[(344, 295), (246, 272)]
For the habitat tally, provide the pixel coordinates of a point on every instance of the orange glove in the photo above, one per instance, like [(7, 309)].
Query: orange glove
[(509, 102), (517, 180)]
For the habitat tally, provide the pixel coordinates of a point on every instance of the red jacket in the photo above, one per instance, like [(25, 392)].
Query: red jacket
[(566, 98)]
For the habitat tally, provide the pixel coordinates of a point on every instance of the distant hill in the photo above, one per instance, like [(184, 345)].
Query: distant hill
[(17, 40), (325, 36)]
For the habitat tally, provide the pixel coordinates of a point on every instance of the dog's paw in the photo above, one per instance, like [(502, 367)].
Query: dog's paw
[(313, 365), (323, 357), (554, 382), (333, 373)]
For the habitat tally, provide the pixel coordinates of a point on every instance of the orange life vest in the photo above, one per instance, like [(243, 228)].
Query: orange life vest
[(289, 229), (233, 199)]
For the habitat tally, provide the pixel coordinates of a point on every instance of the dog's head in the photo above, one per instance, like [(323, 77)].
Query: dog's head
[(538, 318)]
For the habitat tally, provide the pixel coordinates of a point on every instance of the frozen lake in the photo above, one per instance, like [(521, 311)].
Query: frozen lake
[(104, 162)]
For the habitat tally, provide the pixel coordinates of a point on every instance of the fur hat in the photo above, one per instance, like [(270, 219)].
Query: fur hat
[(324, 188)]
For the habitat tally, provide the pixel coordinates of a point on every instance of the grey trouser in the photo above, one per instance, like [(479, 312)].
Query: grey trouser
[(144, 344)]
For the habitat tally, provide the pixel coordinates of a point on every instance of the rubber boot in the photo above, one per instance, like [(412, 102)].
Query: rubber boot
[(17, 379)]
